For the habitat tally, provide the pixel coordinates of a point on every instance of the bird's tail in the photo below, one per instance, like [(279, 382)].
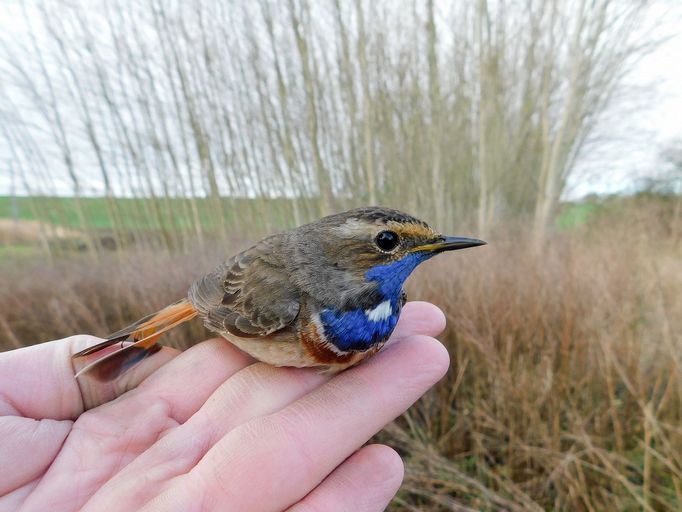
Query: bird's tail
[(144, 334)]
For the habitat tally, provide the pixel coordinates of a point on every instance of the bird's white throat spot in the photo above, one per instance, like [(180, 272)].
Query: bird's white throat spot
[(379, 313)]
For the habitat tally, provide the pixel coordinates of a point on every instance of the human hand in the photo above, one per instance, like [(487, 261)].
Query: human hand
[(209, 429)]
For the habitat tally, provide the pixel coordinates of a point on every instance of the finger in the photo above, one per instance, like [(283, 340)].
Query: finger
[(419, 318), (102, 442), (314, 434), (14, 500), (366, 482), (110, 437), (257, 390), (189, 380), (42, 439), (38, 381)]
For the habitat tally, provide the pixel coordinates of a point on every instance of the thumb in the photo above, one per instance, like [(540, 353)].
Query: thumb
[(38, 381)]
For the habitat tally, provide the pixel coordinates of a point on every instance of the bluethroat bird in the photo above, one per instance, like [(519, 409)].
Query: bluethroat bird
[(327, 294)]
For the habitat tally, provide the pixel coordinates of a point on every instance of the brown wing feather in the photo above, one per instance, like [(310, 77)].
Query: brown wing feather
[(248, 296)]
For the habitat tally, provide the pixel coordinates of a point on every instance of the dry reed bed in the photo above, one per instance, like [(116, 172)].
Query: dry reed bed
[(565, 391)]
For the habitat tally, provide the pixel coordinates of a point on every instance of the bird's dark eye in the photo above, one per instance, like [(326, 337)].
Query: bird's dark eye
[(386, 240)]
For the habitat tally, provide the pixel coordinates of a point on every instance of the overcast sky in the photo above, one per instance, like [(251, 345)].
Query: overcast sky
[(631, 138), (652, 121)]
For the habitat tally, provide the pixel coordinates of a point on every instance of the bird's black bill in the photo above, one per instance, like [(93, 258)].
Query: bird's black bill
[(450, 243)]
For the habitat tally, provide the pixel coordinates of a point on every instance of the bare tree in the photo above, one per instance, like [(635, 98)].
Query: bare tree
[(466, 112)]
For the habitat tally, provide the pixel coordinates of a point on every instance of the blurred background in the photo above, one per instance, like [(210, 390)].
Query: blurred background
[(142, 141)]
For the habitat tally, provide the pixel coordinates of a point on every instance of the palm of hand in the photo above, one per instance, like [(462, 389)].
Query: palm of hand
[(209, 429)]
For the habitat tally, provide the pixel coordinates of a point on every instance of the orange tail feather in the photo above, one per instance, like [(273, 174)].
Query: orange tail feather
[(144, 334)]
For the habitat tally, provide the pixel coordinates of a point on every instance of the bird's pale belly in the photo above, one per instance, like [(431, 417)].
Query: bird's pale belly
[(304, 348)]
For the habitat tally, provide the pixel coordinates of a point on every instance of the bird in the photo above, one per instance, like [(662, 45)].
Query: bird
[(327, 294)]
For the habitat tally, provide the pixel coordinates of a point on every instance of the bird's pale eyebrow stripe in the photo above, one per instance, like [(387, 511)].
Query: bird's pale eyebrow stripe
[(380, 312), (353, 227)]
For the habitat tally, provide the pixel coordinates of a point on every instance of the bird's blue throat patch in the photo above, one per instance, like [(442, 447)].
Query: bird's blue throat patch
[(354, 330), (360, 329), (392, 276)]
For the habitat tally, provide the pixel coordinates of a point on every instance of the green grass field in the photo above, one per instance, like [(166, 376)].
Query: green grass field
[(145, 213), (99, 213), (136, 213)]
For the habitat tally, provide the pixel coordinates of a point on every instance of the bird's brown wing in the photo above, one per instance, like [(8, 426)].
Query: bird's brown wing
[(248, 296)]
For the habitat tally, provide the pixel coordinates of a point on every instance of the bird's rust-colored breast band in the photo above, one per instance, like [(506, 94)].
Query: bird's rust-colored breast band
[(319, 349)]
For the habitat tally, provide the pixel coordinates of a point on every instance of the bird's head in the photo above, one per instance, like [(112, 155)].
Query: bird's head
[(374, 249)]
